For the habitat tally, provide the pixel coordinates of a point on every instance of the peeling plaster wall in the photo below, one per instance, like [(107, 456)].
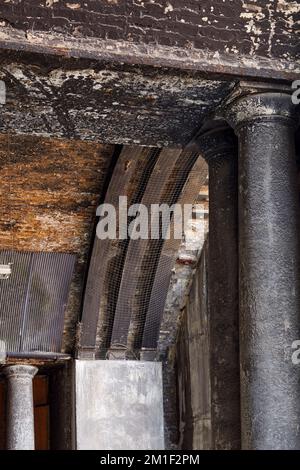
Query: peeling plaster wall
[(48, 196)]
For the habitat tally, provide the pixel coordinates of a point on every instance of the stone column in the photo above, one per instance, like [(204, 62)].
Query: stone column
[(219, 148), (268, 270), (20, 417)]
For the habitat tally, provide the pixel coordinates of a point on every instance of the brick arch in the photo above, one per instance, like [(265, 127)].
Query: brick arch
[(128, 278)]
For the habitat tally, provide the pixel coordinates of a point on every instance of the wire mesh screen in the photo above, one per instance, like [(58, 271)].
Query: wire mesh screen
[(128, 279), (33, 300)]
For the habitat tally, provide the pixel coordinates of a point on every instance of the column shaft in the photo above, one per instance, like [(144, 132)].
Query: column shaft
[(269, 272), (219, 148), (20, 416)]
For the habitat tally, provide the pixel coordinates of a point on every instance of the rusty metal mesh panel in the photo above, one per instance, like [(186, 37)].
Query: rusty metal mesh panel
[(33, 300)]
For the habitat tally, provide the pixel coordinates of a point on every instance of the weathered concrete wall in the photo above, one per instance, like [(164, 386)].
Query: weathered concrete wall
[(192, 361), (118, 405)]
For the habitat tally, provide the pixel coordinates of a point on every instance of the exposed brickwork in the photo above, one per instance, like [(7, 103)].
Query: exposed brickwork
[(48, 196)]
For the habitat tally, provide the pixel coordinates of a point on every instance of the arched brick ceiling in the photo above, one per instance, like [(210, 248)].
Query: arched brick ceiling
[(133, 166), (168, 257), (127, 277), (49, 193)]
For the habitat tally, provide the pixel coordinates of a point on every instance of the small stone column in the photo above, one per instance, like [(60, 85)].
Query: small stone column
[(219, 148), (20, 416), (269, 277)]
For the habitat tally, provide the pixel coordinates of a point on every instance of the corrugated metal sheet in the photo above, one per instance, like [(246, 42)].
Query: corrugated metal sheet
[(33, 300)]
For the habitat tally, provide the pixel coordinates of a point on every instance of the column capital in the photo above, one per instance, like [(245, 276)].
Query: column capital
[(266, 106), (216, 143), (20, 371)]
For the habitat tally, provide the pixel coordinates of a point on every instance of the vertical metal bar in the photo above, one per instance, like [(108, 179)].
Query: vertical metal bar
[(26, 304)]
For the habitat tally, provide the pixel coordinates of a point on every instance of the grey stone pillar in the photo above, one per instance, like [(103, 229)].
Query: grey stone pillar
[(268, 269), (20, 417), (219, 148)]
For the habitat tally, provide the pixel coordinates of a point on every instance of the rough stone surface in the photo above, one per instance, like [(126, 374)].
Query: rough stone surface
[(118, 405), (20, 416), (87, 100)]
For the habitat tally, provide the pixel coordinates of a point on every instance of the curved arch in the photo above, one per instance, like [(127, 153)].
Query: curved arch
[(132, 169), (128, 280), (195, 180), (129, 301), (143, 257)]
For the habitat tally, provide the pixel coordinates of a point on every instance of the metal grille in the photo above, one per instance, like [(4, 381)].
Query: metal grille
[(33, 300)]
